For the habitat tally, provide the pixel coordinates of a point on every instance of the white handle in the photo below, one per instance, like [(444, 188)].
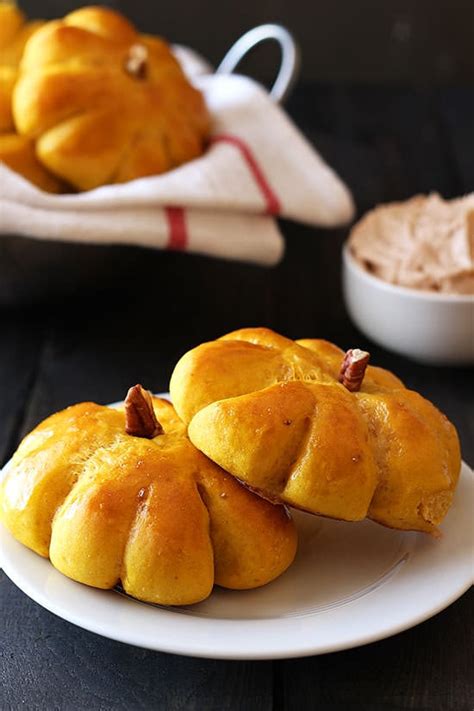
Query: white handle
[(290, 57)]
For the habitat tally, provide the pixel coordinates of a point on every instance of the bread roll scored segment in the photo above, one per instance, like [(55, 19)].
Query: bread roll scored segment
[(280, 437)]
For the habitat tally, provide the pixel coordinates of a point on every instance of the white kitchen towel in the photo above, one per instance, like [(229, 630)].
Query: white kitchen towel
[(258, 166)]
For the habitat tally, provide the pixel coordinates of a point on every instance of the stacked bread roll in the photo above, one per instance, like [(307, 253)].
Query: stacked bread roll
[(166, 503)]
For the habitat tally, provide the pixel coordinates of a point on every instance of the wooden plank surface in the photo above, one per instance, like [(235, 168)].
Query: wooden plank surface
[(130, 318), (48, 664), (421, 669), (20, 349)]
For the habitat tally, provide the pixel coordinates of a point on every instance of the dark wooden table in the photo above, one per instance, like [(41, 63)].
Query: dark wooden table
[(95, 327)]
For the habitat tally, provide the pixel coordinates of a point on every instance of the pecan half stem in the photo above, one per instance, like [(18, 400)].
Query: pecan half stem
[(140, 418), (136, 61), (353, 369)]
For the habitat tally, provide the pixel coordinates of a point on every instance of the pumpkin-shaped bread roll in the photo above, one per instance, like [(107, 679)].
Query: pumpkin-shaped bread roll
[(14, 34), (305, 424), (18, 152), (114, 497), (105, 104)]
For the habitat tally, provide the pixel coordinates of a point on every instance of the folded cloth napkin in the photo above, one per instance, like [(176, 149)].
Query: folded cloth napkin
[(258, 166)]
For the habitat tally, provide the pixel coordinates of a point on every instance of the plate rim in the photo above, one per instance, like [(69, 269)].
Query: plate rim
[(174, 644), (242, 655)]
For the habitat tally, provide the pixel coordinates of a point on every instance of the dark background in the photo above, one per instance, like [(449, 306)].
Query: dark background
[(386, 97), (422, 42)]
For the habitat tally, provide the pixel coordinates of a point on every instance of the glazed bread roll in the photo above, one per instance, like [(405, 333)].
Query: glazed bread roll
[(142, 507), (15, 31), (301, 423), (17, 152), (104, 103)]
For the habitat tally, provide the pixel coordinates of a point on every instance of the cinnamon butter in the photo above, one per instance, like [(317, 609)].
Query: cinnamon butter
[(424, 243)]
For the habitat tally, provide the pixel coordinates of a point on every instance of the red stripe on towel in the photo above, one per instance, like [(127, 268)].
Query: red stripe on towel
[(178, 232), (272, 202)]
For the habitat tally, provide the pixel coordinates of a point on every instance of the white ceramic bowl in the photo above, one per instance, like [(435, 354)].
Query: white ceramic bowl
[(429, 327)]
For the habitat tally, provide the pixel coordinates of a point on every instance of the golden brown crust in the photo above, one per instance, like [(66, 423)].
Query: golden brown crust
[(98, 115), (272, 412), (156, 515), (19, 154), (14, 34)]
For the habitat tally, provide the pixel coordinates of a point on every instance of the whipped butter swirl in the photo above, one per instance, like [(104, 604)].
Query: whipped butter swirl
[(423, 243)]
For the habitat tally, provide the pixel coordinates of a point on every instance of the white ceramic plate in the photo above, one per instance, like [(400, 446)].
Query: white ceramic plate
[(351, 583)]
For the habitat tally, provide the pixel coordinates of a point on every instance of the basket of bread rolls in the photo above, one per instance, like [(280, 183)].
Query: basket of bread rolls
[(110, 138)]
